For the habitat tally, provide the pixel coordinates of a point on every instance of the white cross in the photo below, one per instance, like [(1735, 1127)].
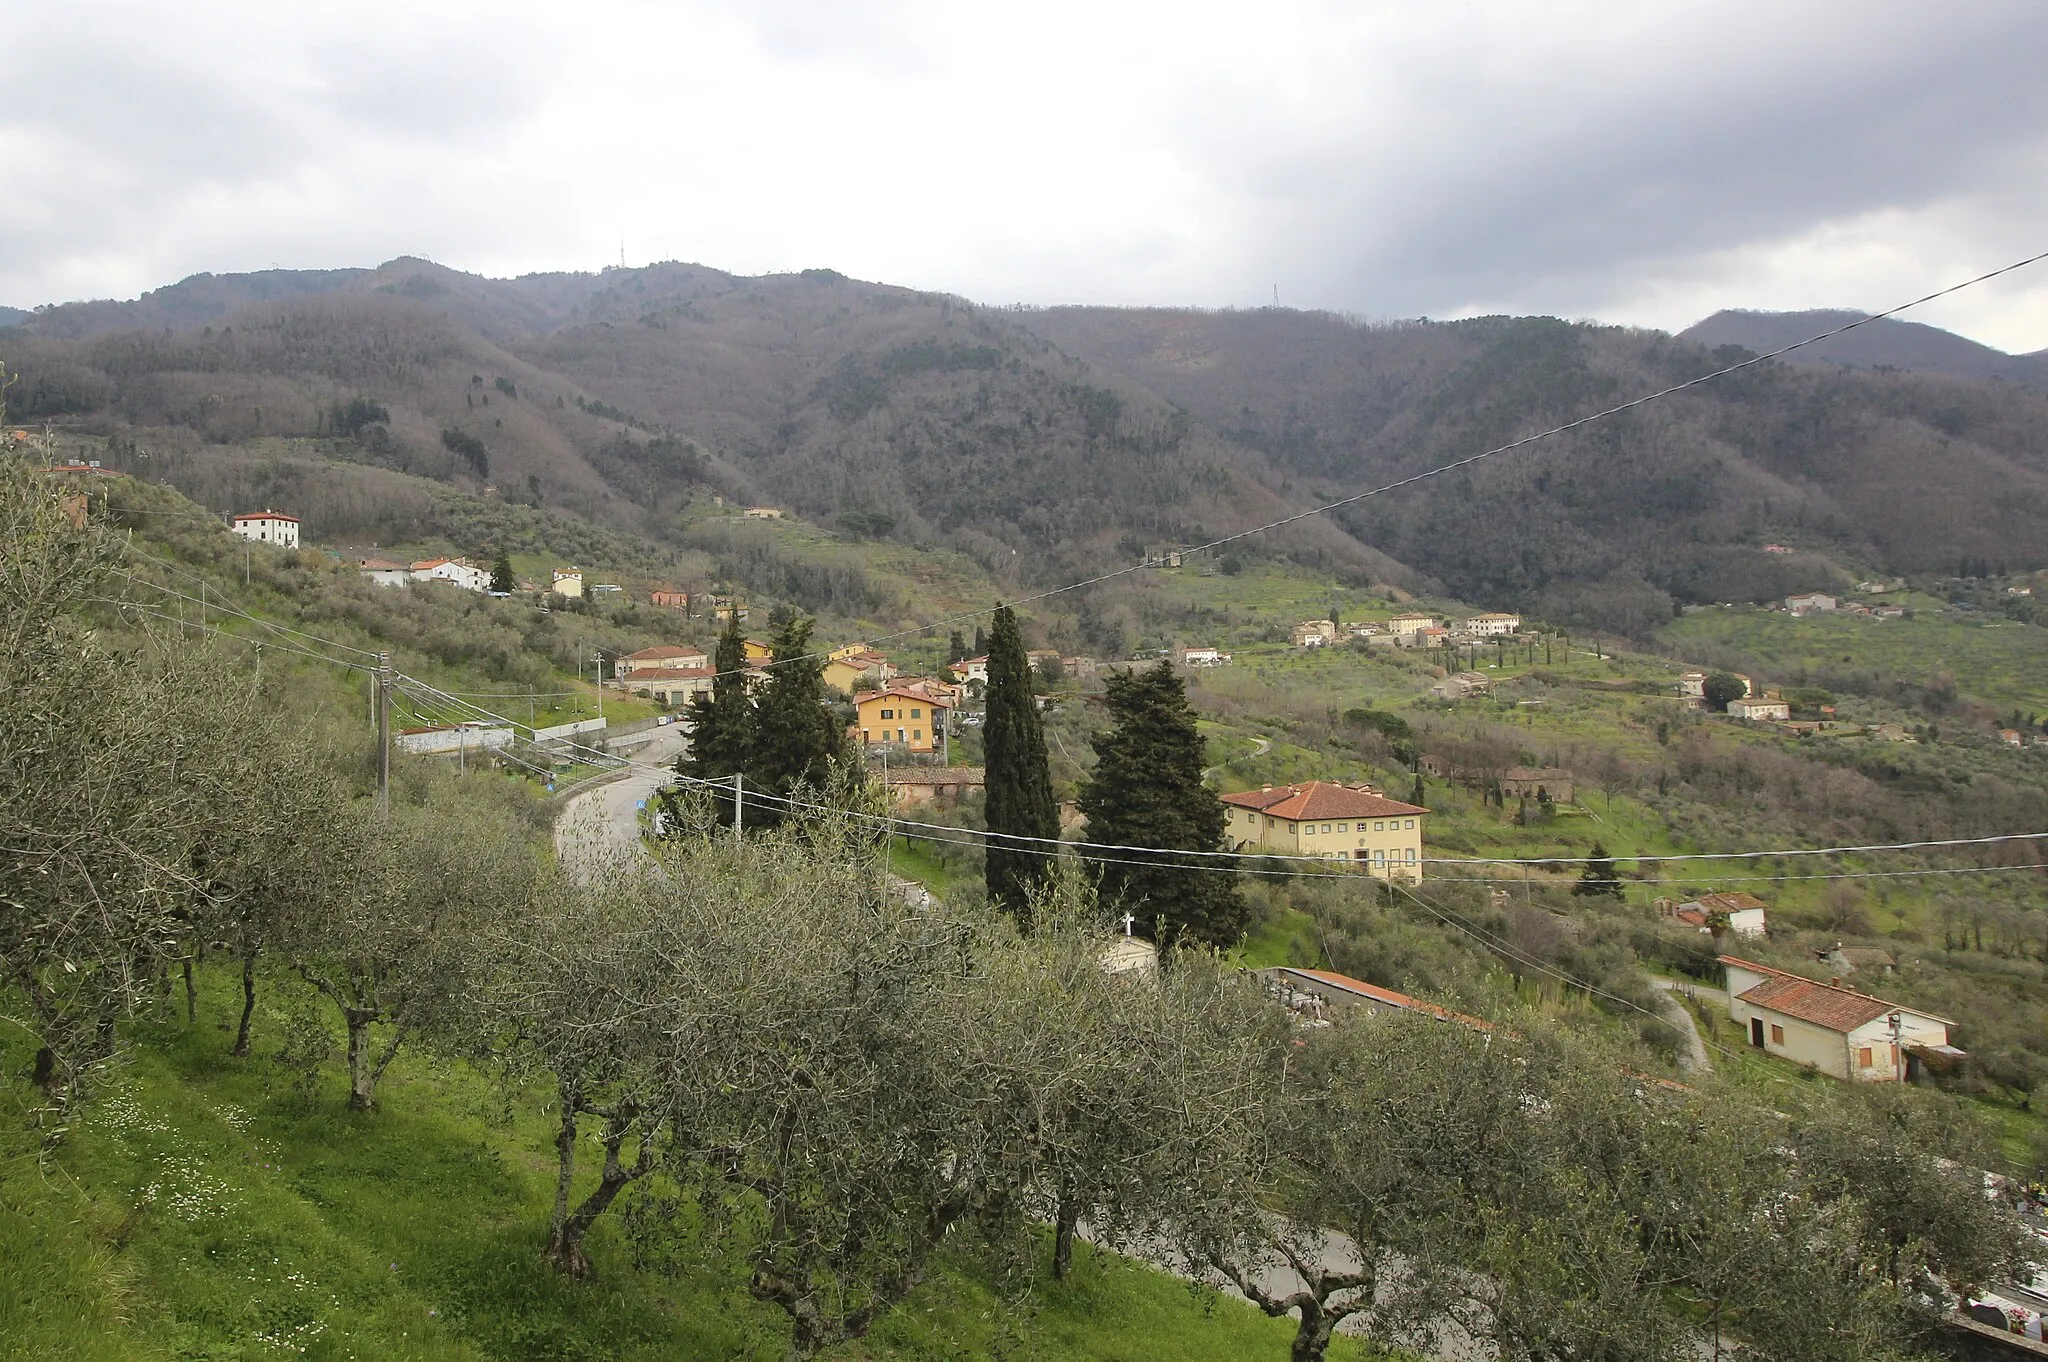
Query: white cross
[(1128, 920)]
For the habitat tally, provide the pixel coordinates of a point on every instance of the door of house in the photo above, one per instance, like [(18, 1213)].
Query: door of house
[(1756, 1032)]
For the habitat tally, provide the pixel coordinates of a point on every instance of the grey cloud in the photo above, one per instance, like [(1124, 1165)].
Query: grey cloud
[(1492, 204)]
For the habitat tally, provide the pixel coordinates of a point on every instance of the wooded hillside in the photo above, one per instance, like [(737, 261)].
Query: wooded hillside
[(1050, 444)]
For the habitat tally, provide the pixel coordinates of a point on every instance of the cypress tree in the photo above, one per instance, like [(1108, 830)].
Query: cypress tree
[(1598, 877), (980, 642), (722, 724), (1147, 791), (956, 647), (1019, 799), (501, 574), (797, 738)]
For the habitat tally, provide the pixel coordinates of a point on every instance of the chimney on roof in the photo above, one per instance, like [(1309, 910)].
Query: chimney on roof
[(1265, 789), (1834, 981)]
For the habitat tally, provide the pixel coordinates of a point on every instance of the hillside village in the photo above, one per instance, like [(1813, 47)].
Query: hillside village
[(1437, 810)]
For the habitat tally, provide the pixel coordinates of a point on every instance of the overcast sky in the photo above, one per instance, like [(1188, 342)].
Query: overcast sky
[(1635, 162)]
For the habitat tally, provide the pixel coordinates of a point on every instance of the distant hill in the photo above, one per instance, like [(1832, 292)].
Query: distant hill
[(1885, 344), (14, 316), (1044, 445), (1616, 521)]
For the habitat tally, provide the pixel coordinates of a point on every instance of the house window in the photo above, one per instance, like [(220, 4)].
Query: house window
[(1411, 855), (1343, 827), (888, 714), (1326, 827), (917, 713), (1863, 1057), (1777, 1034), (917, 735), (1379, 827), (1411, 822)]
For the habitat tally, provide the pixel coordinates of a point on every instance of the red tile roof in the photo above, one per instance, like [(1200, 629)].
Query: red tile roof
[(1729, 903), (266, 515), (1345, 983), (1837, 1009), (908, 690), (1319, 799)]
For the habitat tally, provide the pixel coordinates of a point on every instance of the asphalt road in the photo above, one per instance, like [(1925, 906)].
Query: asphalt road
[(603, 822)]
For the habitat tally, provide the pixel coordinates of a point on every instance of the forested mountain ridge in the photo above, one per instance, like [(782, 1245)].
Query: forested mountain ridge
[(1888, 343), (1672, 501), (1050, 444)]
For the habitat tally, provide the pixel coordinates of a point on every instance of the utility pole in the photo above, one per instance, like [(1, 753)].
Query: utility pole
[(739, 799), (597, 673), (383, 735)]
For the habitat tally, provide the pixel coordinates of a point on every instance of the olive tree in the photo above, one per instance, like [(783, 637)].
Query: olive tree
[(1375, 1164), (392, 923), (587, 994), (109, 758)]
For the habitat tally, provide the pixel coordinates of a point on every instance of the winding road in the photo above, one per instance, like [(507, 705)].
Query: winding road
[(603, 822)]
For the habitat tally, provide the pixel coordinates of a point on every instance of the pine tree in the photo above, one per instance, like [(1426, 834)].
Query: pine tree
[(1019, 800), (1598, 877), (501, 574), (1147, 791), (722, 724), (797, 738)]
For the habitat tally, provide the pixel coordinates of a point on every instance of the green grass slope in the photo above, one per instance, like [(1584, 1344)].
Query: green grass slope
[(210, 1207)]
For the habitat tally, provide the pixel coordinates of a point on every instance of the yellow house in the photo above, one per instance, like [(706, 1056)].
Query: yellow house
[(1377, 834), (902, 715), (849, 668), (758, 651)]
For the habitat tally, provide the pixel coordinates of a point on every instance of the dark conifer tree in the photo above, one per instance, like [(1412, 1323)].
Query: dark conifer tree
[(956, 647), (797, 737), (1147, 791), (1598, 877), (722, 724), (501, 574), (980, 642), (1019, 801)]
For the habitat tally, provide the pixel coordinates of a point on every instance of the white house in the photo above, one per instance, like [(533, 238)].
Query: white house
[(1758, 709), (661, 655), (972, 669), (1813, 602), (1837, 1031), (568, 584), (1746, 914), (1493, 624), (454, 571), (269, 527), (1412, 624), (1204, 657), (384, 572), (673, 686), (1315, 633)]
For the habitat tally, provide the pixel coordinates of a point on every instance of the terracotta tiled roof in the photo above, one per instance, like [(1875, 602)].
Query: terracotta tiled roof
[(1345, 983), (1837, 1009), (266, 515), (1319, 799), (909, 690), (379, 565), (1730, 903)]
